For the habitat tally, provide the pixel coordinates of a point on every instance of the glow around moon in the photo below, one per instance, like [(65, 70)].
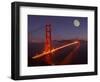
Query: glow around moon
[(76, 23)]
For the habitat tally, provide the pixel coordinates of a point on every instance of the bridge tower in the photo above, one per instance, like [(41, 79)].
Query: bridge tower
[(48, 43)]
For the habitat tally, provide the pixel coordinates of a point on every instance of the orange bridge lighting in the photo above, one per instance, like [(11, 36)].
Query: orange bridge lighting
[(54, 50)]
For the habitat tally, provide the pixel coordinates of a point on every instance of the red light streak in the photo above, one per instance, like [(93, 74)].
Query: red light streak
[(69, 58), (54, 50)]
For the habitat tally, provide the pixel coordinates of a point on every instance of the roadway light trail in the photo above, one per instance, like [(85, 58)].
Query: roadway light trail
[(69, 58), (56, 49)]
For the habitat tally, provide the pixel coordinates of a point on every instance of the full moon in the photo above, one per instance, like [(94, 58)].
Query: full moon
[(76, 23)]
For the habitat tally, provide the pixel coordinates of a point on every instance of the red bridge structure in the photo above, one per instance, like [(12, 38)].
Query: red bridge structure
[(48, 49), (48, 44)]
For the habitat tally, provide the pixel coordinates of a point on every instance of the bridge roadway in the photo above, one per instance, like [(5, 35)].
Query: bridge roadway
[(54, 50)]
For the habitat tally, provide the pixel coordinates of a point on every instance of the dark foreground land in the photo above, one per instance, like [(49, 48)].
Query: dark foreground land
[(71, 55)]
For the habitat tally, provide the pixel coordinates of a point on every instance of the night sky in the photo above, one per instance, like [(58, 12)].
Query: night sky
[(62, 27)]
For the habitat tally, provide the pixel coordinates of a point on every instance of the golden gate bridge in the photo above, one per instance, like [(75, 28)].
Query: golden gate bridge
[(49, 50)]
